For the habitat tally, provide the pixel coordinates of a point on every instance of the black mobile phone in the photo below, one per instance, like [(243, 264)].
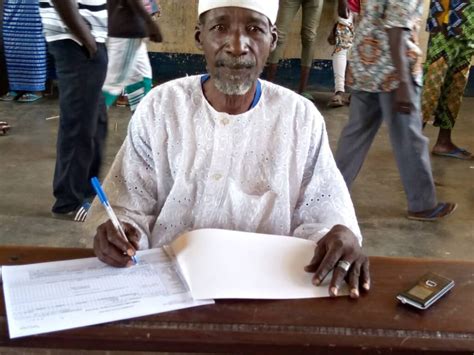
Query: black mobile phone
[(427, 290)]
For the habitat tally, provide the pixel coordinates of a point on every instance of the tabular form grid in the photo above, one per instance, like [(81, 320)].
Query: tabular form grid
[(87, 286)]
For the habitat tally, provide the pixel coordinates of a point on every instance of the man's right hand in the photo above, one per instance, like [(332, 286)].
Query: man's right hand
[(111, 248), (90, 45)]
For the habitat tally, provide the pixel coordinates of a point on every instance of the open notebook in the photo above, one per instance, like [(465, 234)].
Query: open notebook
[(197, 267)]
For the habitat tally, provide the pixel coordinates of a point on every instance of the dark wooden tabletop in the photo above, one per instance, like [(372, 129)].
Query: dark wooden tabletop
[(376, 323)]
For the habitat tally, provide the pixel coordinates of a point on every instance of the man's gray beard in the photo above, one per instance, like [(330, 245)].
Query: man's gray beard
[(233, 88)]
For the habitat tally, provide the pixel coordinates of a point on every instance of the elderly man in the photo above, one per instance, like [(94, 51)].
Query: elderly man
[(227, 150)]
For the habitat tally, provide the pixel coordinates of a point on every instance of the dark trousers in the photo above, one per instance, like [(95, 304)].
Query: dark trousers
[(83, 122)]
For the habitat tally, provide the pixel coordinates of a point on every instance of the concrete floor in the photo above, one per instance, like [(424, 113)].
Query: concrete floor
[(27, 157)]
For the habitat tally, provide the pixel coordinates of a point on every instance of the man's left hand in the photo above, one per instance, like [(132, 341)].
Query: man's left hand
[(339, 250)]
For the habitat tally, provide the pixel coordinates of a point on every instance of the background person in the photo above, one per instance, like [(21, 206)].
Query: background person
[(341, 38), (450, 50), (129, 68), (311, 13), (385, 76), (76, 31), (25, 50), (344, 31)]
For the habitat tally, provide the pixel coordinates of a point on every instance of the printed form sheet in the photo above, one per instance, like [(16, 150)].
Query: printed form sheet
[(53, 296)]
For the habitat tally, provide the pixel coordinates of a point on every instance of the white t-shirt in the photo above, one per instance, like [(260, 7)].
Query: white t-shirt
[(185, 166), (94, 13)]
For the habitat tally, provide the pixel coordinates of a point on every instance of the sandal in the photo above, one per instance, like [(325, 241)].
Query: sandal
[(29, 97), (337, 100), (4, 128), (457, 153), (9, 96), (122, 101), (441, 210)]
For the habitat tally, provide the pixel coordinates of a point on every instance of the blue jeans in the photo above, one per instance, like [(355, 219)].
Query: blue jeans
[(83, 122)]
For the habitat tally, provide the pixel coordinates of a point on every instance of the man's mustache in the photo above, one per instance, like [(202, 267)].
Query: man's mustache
[(235, 63)]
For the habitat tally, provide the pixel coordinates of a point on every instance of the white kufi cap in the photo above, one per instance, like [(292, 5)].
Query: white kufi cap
[(268, 8)]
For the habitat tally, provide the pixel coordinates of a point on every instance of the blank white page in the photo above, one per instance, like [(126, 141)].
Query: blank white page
[(231, 264)]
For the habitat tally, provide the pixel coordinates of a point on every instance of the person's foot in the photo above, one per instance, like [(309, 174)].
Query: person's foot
[(78, 215), (451, 151), (338, 100), (9, 96), (441, 210), (445, 147), (122, 101), (29, 97), (4, 128)]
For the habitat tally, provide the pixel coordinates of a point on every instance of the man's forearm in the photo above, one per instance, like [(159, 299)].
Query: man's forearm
[(69, 13), (397, 42), (342, 10)]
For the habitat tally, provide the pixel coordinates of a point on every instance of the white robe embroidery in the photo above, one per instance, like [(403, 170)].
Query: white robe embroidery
[(185, 166)]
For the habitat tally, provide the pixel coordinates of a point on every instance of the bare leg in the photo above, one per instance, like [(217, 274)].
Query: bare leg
[(304, 78), (271, 71), (444, 144)]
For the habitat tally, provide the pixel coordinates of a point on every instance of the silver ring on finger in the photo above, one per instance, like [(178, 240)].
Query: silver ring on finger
[(343, 264)]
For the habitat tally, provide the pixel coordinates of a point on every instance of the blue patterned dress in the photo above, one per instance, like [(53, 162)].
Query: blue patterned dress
[(24, 45)]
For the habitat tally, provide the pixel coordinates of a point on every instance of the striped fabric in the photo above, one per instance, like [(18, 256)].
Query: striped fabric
[(24, 45), (93, 11), (129, 68), (81, 213)]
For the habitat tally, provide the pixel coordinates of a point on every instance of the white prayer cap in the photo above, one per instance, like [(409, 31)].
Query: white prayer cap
[(268, 8)]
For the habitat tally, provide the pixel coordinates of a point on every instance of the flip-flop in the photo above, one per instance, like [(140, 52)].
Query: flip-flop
[(9, 96), (336, 101), (29, 97), (442, 209), (457, 153)]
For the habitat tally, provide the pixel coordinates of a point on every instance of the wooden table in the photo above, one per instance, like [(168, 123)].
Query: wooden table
[(374, 324)]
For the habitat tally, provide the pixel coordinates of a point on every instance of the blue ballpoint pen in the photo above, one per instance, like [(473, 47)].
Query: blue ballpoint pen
[(110, 212)]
